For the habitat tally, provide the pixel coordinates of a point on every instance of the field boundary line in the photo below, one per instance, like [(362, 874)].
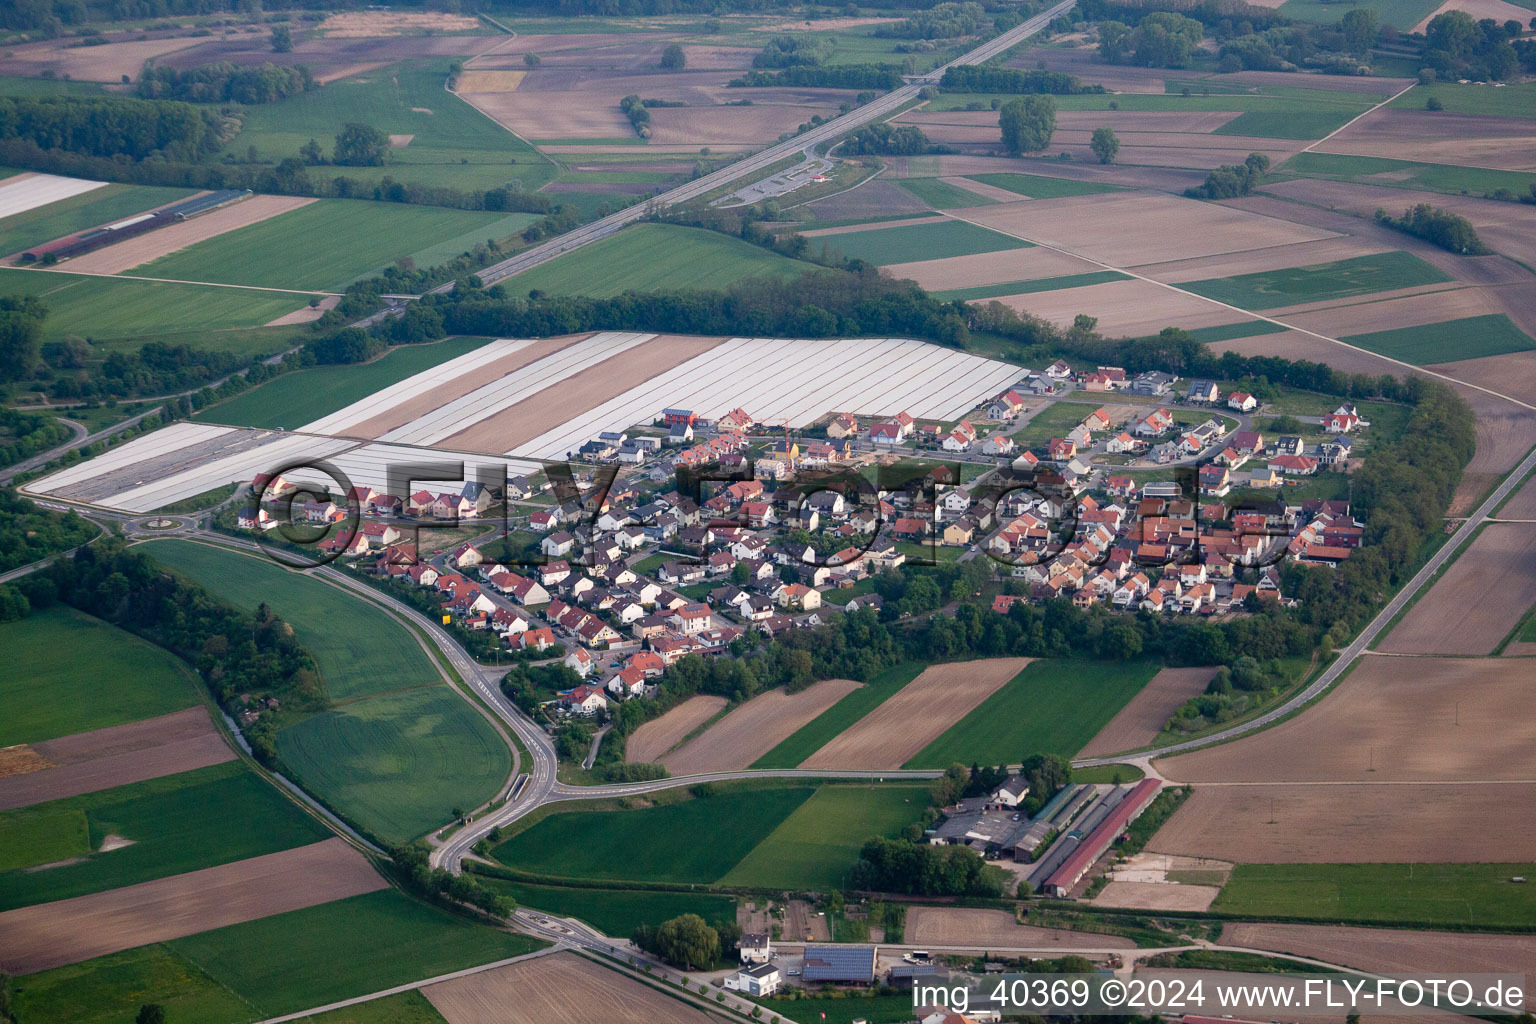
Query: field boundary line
[(1357, 117)]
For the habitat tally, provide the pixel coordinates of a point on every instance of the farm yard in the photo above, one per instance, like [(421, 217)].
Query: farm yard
[(559, 988), (754, 728)]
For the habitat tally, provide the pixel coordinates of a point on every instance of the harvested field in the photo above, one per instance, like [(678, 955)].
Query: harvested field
[(1390, 950), (115, 756), (536, 115), (989, 929), (1139, 722), (106, 63), (984, 268), (560, 988), (659, 735), (133, 252), (306, 314), (1353, 823), (375, 24), (1391, 720), (1157, 896), (1423, 136), (755, 728), (1122, 307), (489, 81), (579, 393), (1513, 373), (1521, 504), (918, 714), (1135, 229), (69, 931), (1326, 250), (1477, 601)]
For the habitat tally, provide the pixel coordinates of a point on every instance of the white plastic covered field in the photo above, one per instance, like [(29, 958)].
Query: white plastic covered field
[(29, 191)]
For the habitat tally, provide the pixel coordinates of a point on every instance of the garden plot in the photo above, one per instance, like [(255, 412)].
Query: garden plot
[(1474, 605), (1134, 229), (560, 988), (69, 931), (29, 191), (1122, 307), (755, 728)]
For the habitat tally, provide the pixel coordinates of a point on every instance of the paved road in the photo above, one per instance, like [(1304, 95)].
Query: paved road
[(80, 440), (874, 110)]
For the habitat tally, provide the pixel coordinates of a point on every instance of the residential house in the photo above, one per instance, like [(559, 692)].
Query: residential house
[(579, 661), (1203, 392), (1242, 401), (584, 700), (763, 979), (843, 425)]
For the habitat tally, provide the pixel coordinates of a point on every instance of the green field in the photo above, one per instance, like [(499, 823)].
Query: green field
[(405, 1008), (1505, 101), (656, 844), (828, 725), (905, 244), (119, 308), (1401, 14), (176, 823), (891, 1009), (1052, 707), (819, 843), (297, 398), (328, 244), (1055, 420), (1037, 186), (272, 966), (1228, 332), (648, 257), (1450, 341), (1048, 284), (1362, 275), (77, 213), (941, 195), (1471, 895), (1287, 124), (67, 672), (615, 912), (1375, 170), (455, 146)]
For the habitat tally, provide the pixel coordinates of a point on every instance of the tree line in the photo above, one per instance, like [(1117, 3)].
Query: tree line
[(838, 76), (29, 533), (224, 82), (109, 127), (1442, 227), (996, 78), (941, 21)]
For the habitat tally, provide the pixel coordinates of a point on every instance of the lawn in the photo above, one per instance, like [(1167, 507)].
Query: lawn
[(842, 1010), (275, 965), (941, 195), (1505, 101), (328, 244), (615, 912), (1048, 284), (921, 242), (1288, 124), (1451, 341), (648, 257), (1037, 186), (817, 845), (828, 725), (1472, 895), (69, 672), (655, 844), (303, 396), (77, 213), (1361, 275), (177, 823), (1055, 420), (1374, 170), (1052, 707), (118, 308)]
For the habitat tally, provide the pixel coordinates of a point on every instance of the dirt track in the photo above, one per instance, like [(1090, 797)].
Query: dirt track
[(948, 926), (897, 730), (660, 735), (1139, 722), (68, 931), (1482, 596), (561, 988), (116, 756), (755, 728), (134, 252)]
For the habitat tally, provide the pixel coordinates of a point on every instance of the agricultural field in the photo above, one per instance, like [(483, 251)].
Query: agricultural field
[(1479, 599), (1051, 707), (953, 926), (1342, 279), (22, 193), (1510, 101), (1469, 338), (1049, 284), (615, 912), (654, 738), (647, 257), (561, 988), (59, 660), (405, 1008), (1384, 950), (922, 242), (827, 726), (1384, 171), (941, 195), (1035, 186), (20, 231), (1291, 124), (277, 965), (128, 254), (1138, 723), (130, 834), (1464, 895), (754, 728)]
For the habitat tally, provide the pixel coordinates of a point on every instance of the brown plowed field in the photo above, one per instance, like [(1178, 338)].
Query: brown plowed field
[(1521, 504), (984, 929), (1157, 896), (116, 756), (1123, 307), (897, 730), (1304, 254), (877, 197), (660, 735), (69, 931), (1353, 823), (1394, 313), (1135, 228), (845, 229), (1479, 599), (579, 393), (1391, 720), (538, 115), (373, 24), (992, 268), (107, 63), (1392, 950), (755, 728), (561, 988), (133, 252), (1139, 722), (1513, 373), (399, 415), (1507, 143)]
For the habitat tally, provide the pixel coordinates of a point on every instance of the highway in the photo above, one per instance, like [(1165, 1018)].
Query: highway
[(874, 110)]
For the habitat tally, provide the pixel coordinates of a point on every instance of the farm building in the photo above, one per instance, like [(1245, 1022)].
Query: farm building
[(98, 238), (847, 965), (1093, 845)]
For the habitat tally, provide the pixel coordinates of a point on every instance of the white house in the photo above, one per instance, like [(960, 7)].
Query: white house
[(761, 980), (756, 947), (1242, 401), (579, 661)]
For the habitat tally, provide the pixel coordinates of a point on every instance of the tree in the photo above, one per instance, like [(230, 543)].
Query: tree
[(1027, 123), (673, 58), (360, 145), (1433, 103), (1105, 144), (687, 942), (530, 60), (282, 39), (150, 1013), (1359, 28), (311, 154), (21, 333)]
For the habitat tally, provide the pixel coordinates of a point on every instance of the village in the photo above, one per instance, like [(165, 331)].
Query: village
[(687, 532)]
